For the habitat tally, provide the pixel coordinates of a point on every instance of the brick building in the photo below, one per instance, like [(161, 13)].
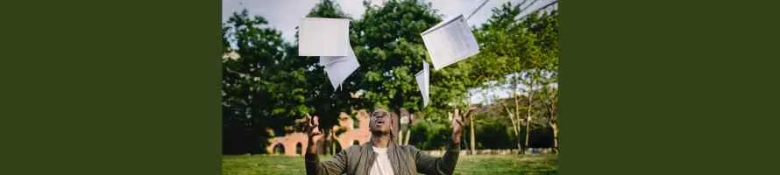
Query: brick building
[(295, 143)]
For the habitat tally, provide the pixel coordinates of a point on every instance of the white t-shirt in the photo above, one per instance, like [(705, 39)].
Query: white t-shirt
[(382, 164)]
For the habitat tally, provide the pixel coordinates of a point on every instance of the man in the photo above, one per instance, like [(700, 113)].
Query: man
[(381, 156)]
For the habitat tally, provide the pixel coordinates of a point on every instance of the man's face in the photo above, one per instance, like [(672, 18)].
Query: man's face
[(380, 121)]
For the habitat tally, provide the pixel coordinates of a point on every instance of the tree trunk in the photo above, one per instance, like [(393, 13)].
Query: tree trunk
[(400, 137), (555, 137), (514, 124), (333, 142), (408, 130), (473, 138), (326, 143), (527, 132), (519, 124), (528, 115), (553, 122), (406, 138), (554, 125)]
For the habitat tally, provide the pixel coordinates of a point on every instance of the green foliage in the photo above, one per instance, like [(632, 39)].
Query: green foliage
[(522, 55), (261, 78), (326, 102), (493, 132), (389, 47), (327, 9), (256, 74), (429, 135), (511, 46)]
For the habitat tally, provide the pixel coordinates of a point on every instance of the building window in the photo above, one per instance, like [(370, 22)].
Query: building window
[(279, 149), (298, 148)]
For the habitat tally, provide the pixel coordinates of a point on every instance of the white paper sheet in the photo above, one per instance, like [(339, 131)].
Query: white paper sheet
[(423, 82), (326, 60), (450, 41), (339, 68), (323, 37)]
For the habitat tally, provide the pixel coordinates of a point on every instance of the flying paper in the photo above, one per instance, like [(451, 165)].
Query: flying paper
[(450, 41), (339, 68), (423, 81), (328, 60), (329, 39), (323, 37)]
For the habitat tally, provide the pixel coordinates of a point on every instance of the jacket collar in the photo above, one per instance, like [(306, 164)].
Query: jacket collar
[(370, 146), (392, 155)]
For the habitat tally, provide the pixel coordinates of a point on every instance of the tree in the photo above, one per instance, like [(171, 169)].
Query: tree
[(551, 105), (548, 30), (522, 55), (265, 81), (503, 43), (544, 65), (256, 74), (391, 51), (326, 102)]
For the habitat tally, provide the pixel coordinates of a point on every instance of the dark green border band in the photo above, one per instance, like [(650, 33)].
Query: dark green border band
[(110, 87), (132, 87)]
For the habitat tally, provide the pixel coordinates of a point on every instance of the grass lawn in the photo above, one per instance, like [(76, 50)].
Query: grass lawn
[(479, 164)]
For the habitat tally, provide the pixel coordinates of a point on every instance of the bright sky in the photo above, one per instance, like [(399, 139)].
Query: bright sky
[(285, 15)]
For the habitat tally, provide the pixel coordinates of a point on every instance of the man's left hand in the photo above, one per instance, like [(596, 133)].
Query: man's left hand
[(457, 127)]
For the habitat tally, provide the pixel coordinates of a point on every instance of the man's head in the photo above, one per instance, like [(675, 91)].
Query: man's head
[(380, 122)]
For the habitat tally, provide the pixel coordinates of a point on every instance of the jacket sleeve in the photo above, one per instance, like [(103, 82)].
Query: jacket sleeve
[(437, 165), (335, 165)]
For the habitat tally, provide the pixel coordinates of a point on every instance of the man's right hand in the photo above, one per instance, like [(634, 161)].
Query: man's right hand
[(313, 133)]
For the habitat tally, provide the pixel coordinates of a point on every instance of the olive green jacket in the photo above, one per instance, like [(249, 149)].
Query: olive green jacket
[(406, 160)]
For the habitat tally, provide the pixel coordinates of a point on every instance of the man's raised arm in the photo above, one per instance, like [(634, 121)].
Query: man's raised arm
[(337, 165), (446, 164)]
